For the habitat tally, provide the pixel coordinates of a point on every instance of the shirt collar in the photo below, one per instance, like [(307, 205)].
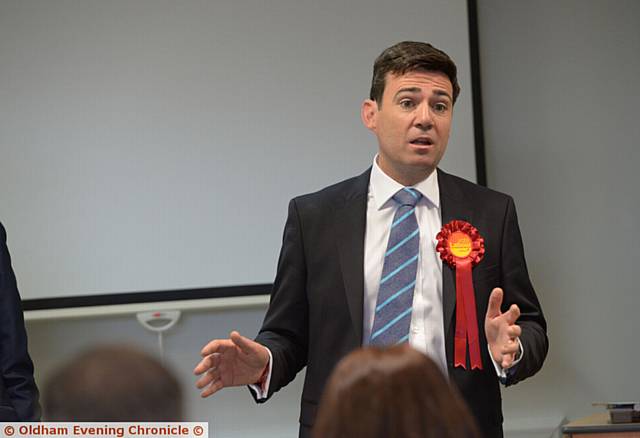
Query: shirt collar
[(382, 187)]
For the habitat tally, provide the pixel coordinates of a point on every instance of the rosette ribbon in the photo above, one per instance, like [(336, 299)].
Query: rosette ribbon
[(461, 247)]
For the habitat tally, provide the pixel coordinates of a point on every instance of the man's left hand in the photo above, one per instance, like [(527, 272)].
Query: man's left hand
[(501, 330)]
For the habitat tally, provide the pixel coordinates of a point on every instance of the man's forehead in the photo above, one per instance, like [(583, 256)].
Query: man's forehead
[(417, 80)]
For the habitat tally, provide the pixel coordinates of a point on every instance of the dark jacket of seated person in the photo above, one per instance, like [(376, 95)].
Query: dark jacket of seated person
[(391, 392), (18, 391)]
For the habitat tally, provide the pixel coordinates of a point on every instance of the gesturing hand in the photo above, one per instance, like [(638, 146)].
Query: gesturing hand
[(230, 362), (501, 330)]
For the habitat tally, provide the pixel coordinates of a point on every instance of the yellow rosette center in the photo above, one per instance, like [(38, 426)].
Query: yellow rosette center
[(460, 244)]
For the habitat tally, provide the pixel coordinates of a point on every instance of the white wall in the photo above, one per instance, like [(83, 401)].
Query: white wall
[(560, 89)]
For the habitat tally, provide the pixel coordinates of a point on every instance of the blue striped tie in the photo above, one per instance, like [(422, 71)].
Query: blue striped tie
[(395, 296)]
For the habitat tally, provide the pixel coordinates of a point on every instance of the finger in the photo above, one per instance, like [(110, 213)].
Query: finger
[(208, 363), (246, 345), (495, 301), (513, 314), (215, 346), (202, 366), (208, 378), (514, 331), (212, 389), (211, 347), (507, 361), (510, 348)]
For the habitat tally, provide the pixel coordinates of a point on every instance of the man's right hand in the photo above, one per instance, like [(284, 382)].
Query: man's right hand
[(235, 361)]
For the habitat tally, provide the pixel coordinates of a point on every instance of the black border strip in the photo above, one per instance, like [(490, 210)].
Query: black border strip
[(147, 297), (260, 289), (476, 92)]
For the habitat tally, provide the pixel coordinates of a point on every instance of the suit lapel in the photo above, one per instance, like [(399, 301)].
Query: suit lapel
[(350, 222), (453, 205)]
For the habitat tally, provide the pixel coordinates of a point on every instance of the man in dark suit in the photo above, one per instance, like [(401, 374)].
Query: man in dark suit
[(18, 392), (325, 300)]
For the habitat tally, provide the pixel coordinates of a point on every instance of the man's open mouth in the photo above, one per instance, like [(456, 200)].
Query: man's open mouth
[(422, 141)]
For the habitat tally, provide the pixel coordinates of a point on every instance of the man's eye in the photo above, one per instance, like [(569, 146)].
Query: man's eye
[(440, 107), (407, 104)]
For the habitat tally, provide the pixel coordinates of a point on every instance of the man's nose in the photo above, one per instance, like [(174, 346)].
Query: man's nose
[(423, 117)]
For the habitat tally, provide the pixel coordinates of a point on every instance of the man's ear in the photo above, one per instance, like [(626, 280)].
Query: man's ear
[(369, 114)]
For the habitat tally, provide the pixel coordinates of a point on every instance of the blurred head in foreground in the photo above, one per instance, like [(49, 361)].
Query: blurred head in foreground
[(113, 383), (396, 392)]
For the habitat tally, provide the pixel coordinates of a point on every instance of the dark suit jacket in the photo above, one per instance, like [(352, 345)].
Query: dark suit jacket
[(18, 392), (315, 314)]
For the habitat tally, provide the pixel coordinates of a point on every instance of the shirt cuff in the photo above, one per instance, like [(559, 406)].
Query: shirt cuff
[(502, 372), (261, 388)]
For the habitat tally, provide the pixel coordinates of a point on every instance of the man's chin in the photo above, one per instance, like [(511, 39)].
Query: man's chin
[(423, 149), (422, 164), (426, 161)]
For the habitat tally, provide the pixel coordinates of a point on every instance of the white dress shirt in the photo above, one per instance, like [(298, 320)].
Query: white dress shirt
[(426, 332)]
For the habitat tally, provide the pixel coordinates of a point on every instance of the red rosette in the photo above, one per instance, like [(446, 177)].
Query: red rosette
[(461, 247), (476, 252)]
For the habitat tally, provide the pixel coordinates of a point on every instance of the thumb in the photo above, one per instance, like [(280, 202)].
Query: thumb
[(495, 301), (247, 346)]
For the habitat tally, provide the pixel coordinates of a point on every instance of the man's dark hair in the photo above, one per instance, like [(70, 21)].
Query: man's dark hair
[(410, 56), (113, 383), (396, 392)]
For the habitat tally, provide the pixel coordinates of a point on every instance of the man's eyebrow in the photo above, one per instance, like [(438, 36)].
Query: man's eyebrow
[(408, 90), (418, 90), (442, 93)]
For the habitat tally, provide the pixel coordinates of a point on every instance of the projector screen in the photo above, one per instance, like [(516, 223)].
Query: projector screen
[(153, 145)]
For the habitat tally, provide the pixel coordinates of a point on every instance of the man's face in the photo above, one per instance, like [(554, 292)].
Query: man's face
[(412, 123)]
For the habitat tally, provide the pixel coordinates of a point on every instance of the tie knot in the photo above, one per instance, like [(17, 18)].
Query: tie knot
[(407, 196)]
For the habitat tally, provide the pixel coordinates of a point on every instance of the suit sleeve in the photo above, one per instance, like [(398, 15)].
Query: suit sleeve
[(16, 368), (519, 290), (285, 327)]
